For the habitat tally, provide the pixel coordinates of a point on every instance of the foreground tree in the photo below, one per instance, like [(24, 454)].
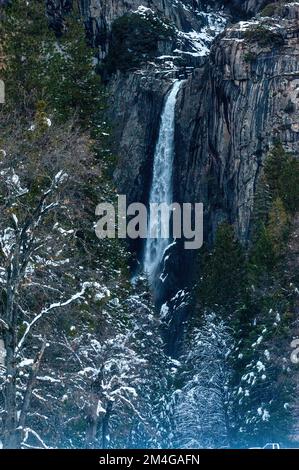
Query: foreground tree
[(41, 170), (203, 407), (82, 351)]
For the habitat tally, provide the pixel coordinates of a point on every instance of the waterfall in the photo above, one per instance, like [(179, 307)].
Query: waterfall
[(161, 190)]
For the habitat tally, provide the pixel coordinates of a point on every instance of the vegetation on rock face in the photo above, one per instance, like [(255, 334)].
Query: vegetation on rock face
[(282, 176), (250, 57), (58, 70), (290, 107), (227, 256), (263, 36), (134, 39)]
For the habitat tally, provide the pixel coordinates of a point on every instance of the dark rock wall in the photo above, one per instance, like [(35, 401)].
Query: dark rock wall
[(230, 113), (136, 101)]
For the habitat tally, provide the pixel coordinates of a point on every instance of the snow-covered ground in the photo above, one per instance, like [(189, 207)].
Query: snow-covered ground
[(198, 43)]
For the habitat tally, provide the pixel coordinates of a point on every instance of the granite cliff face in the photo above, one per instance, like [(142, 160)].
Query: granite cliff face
[(184, 15), (104, 12), (136, 104), (232, 111)]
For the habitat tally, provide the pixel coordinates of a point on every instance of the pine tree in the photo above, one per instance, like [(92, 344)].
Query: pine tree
[(278, 227), (70, 79), (264, 384), (289, 183), (27, 40), (282, 176), (202, 407), (261, 207), (274, 164), (224, 277), (57, 70)]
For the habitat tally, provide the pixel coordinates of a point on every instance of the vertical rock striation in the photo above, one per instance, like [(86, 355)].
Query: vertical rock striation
[(232, 111)]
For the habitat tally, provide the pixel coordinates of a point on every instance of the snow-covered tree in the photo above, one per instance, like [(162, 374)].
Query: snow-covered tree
[(44, 275), (202, 407), (83, 357), (264, 386)]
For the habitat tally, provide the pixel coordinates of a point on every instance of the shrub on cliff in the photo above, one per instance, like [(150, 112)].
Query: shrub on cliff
[(263, 36), (135, 38)]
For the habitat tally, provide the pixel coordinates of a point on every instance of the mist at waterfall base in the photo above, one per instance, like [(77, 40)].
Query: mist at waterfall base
[(161, 188)]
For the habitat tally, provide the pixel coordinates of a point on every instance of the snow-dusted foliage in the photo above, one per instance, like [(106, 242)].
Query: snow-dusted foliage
[(80, 350), (265, 391), (202, 408)]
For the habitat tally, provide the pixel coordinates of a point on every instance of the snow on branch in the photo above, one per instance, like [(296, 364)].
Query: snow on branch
[(46, 310)]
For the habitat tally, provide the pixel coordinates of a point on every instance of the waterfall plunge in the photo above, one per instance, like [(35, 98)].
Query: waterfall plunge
[(161, 190)]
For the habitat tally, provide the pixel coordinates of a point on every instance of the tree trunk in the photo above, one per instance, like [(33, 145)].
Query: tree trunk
[(11, 440), (105, 426), (91, 432), (30, 385)]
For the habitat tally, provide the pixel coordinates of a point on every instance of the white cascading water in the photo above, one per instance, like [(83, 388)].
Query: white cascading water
[(161, 190)]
